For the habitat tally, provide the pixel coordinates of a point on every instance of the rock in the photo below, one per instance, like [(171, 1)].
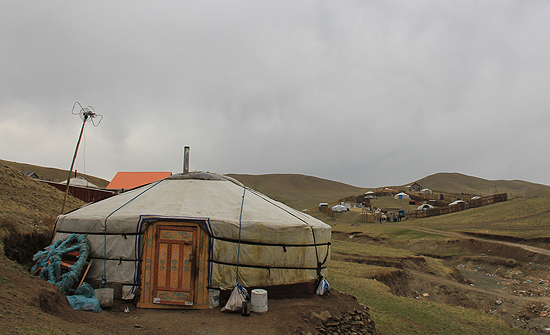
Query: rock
[(324, 316), (332, 323), (315, 316)]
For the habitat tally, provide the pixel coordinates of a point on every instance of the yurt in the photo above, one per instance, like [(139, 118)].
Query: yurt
[(401, 195), (176, 242), (79, 181), (425, 207)]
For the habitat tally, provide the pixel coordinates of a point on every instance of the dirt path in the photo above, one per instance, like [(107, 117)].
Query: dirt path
[(468, 237), (504, 295)]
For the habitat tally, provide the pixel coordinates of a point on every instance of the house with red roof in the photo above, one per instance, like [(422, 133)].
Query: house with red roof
[(124, 181)]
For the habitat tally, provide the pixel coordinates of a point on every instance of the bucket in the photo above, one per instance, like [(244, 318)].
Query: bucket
[(213, 298), (258, 300), (105, 296)]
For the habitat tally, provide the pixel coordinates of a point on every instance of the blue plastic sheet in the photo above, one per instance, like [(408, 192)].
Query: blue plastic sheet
[(84, 299)]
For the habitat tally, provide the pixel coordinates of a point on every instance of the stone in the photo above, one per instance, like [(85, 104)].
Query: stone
[(325, 315), (331, 323)]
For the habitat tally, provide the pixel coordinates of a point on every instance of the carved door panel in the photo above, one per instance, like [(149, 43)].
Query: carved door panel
[(174, 265)]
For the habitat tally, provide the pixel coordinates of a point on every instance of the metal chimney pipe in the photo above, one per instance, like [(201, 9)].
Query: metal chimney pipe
[(185, 160)]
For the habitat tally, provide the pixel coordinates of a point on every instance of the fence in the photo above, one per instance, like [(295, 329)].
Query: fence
[(459, 207), (446, 197), (370, 217), (327, 210), (83, 193)]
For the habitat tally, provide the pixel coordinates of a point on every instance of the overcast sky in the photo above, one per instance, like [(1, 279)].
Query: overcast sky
[(369, 93)]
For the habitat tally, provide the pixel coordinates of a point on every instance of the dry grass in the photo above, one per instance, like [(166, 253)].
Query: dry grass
[(365, 249), (520, 217), (53, 174), (29, 201), (389, 203), (459, 183), (298, 191)]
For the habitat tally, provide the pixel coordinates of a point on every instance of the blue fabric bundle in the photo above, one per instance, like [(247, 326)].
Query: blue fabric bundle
[(48, 262), (84, 299)]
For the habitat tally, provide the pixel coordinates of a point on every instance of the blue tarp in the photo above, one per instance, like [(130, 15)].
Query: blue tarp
[(84, 299)]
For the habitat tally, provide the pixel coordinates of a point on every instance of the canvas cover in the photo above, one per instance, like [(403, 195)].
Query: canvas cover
[(278, 245)]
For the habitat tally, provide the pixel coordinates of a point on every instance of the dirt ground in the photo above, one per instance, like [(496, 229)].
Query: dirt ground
[(508, 279), (29, 305)]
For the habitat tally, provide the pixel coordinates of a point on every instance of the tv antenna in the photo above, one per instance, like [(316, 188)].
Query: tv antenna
[(87, 114)]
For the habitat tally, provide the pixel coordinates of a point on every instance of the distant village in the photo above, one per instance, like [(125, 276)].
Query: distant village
[(427, 203)]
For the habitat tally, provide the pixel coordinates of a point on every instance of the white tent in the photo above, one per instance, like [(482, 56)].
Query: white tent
[(340, 208), (457, 202), (177, 237), (401, 195), (79, 181), (425, 207)]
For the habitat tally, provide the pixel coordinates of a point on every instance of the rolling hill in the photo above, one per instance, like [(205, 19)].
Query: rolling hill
[(296, 190), (301, 191), (460, 183), (53, 174)]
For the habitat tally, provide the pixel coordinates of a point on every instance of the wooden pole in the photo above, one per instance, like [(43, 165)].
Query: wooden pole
[(72, 164), (85, 273)]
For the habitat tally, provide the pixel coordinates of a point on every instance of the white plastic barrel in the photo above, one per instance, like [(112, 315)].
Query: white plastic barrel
[(258, 300)]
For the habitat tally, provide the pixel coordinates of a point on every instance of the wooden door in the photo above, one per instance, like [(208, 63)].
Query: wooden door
[(174, 265)]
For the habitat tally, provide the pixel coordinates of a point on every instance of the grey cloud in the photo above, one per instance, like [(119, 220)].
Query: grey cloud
[(359, 92)]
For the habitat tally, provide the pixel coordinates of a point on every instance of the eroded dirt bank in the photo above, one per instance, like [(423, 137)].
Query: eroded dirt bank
[(502, 277)]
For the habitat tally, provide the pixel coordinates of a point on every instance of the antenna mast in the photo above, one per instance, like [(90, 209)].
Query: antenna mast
[(86, 114)]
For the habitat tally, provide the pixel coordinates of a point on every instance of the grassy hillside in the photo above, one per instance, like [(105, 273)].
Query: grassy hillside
[(460, 183), (27, 200), (298, 191), (53, 174)]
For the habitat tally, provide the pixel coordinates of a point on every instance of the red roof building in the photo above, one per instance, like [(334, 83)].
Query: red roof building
[(129, 180)]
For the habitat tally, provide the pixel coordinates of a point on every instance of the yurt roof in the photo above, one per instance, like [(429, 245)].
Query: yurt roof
[(201, 196), (79, 181)]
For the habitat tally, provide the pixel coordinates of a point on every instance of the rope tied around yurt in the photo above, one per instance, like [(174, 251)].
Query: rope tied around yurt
[(239, 244), (50, 262), (239, 293), (319, 263), (104, 277)]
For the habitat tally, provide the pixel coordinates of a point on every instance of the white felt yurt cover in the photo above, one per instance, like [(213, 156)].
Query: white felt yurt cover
[(278, 245)]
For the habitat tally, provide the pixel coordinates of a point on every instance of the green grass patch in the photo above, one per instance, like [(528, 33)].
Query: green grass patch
[(516, 212), (384, 232), (365, 249), (389, 203), (404, 316)]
